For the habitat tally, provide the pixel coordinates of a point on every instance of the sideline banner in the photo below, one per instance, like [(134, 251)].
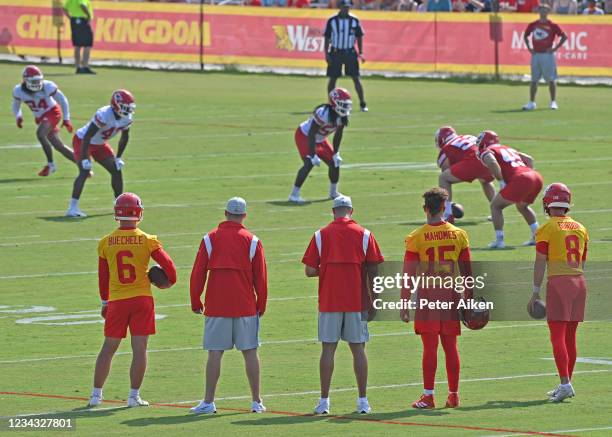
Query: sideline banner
[(293, 38)]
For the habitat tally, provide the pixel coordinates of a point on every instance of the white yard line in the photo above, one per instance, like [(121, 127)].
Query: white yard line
[(557, 431)]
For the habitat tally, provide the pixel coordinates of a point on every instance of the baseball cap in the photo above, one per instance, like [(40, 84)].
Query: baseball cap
[(346, 3), (236, 205), (343, 201)]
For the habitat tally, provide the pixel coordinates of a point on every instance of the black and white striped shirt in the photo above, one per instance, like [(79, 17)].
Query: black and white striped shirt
[(342, 31)]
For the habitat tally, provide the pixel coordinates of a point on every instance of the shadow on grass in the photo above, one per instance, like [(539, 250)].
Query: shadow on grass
[(460, 223), (15, 180), (175, 420), (495, 405), (61, 218), (509, 111), (486, 249), (294, 204)]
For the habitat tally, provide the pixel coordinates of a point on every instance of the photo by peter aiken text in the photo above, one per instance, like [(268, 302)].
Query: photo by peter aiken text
[(458, 284)]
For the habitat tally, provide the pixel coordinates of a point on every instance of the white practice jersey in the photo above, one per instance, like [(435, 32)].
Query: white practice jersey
[(109, 125), (322, 117), (41, 101)]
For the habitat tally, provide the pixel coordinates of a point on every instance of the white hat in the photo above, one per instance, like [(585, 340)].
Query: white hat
[(236, 206), (343, 201)]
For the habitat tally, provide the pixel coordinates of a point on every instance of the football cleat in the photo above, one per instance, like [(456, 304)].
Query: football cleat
[(530, 106), (497, 244), (122, 102), (553, 392), (75, 212), (332, 196), (136, 401), (453, 400), (47, 170), (553, 105), (204, 408), (364, 107), (363, 407), (94, 401), (322, 407), (32, 78), (258, 407), (530, 242), (296, 199), (424, 402), (562, 393)]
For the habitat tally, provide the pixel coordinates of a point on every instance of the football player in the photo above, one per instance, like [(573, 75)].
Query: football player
[(561, 249), (313, 145), (436, 249), (520, 184), (44, 99), (125, 291), (92, 141), (458, 161)]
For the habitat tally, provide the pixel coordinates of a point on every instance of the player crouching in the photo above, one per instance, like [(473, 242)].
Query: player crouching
[(313, 145), (125, 291), (561, 248), (520, 184)]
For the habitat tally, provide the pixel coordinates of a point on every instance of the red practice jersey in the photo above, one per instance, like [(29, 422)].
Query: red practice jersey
[(458, 149), (509, 160)]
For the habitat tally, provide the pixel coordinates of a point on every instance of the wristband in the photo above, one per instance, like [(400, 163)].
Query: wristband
[(104, 303), (536, 289)]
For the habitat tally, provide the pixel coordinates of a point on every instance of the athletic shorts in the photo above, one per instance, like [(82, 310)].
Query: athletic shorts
[(137, 313), (543, 65), (351, 327), (565, 298), (82, 34), (437, 321), (223, 333), (470, 169), (345, 58), (324, 150), (523, 187), (99, 152), (53, 116)]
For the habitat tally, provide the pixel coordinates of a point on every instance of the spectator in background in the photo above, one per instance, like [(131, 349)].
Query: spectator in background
[(277, 3), (80, 13), (592, 9), (438, 5), (467, 6), (519, 6), (565, 7)]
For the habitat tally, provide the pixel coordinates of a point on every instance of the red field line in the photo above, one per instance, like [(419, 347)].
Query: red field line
[(293, 414)]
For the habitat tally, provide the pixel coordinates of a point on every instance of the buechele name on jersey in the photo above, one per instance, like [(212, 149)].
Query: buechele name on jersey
[(125, 240)]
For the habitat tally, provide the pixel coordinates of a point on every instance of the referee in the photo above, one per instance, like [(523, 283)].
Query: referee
[(341, 31), (80, 13)]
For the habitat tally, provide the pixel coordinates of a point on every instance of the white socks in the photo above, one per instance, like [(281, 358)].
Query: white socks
[(74, 203), (295, 192), (51, 165), (96, 393), (364, 399), (534, 227), (428, 392), (448, 208), (499, 235), (333, 188), (134, 392)]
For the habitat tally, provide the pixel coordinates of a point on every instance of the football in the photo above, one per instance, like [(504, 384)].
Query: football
[(457, 210), (538, 311), (158, 277)]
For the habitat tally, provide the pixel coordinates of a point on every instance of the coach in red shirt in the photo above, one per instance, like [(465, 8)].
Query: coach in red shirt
[(542, 47), (233, 261), (345, 257)]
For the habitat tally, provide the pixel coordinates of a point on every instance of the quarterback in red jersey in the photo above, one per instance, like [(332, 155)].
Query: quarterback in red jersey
[(520, 184), (458, 160), (313, 145), (125, 291), (44, 99), (561, 249)]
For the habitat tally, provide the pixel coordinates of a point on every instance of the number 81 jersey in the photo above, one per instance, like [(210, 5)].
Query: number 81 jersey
[(127, 253), (564, 240), (108, 124)]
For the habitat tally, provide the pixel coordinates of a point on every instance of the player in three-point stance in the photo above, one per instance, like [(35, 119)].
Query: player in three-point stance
[(44, 99), (91, 141), (313, 145), (125, 290), (519, 184), (561, 249), (436, 249), (458, 161)]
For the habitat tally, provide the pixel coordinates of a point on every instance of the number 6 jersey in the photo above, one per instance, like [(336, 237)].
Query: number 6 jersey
[(108, 123), (564, 240)]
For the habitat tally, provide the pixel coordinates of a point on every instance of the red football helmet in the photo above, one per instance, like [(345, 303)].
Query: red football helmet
[(444, 135), (128, 206), (557, 195), (340, 101), (475, 319), (122, 102), (486, 138), (33, 78)]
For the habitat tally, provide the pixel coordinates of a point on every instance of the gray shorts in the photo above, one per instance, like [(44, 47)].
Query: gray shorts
[(350, 327), (223, 333), (543, 65)]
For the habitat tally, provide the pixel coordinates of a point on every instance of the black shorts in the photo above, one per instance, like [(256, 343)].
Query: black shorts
[(348, 59), (82, 34)]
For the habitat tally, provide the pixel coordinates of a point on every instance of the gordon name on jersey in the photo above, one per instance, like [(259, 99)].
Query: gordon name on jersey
[(108, 123)]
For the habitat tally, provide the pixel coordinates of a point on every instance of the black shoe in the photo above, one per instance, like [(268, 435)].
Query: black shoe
[(79, 71), (88, 70), (364, 107)]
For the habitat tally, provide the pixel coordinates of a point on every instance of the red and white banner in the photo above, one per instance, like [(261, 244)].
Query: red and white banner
[(293, 38)]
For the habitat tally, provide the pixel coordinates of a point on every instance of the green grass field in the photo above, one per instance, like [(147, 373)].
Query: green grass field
[(199, 139)]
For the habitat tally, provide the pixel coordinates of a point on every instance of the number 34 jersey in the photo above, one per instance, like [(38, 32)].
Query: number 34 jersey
[(127, 253), (564, 240), (108, 124)]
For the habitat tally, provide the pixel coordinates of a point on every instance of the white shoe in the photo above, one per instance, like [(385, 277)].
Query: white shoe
[(563, 393), (332, 196), (258, 407), (364, 109), (489, 218), (497, 244), (553, 392), (553, 105), (94, 401), (322, 407), (75, 212), (204, 408), (296, 199), (530, 242), (529, 106), (363, 407), (136, 402)]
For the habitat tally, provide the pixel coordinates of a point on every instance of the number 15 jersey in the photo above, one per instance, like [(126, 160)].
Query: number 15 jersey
[(127, 253), (108, 124), (564, 240)]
